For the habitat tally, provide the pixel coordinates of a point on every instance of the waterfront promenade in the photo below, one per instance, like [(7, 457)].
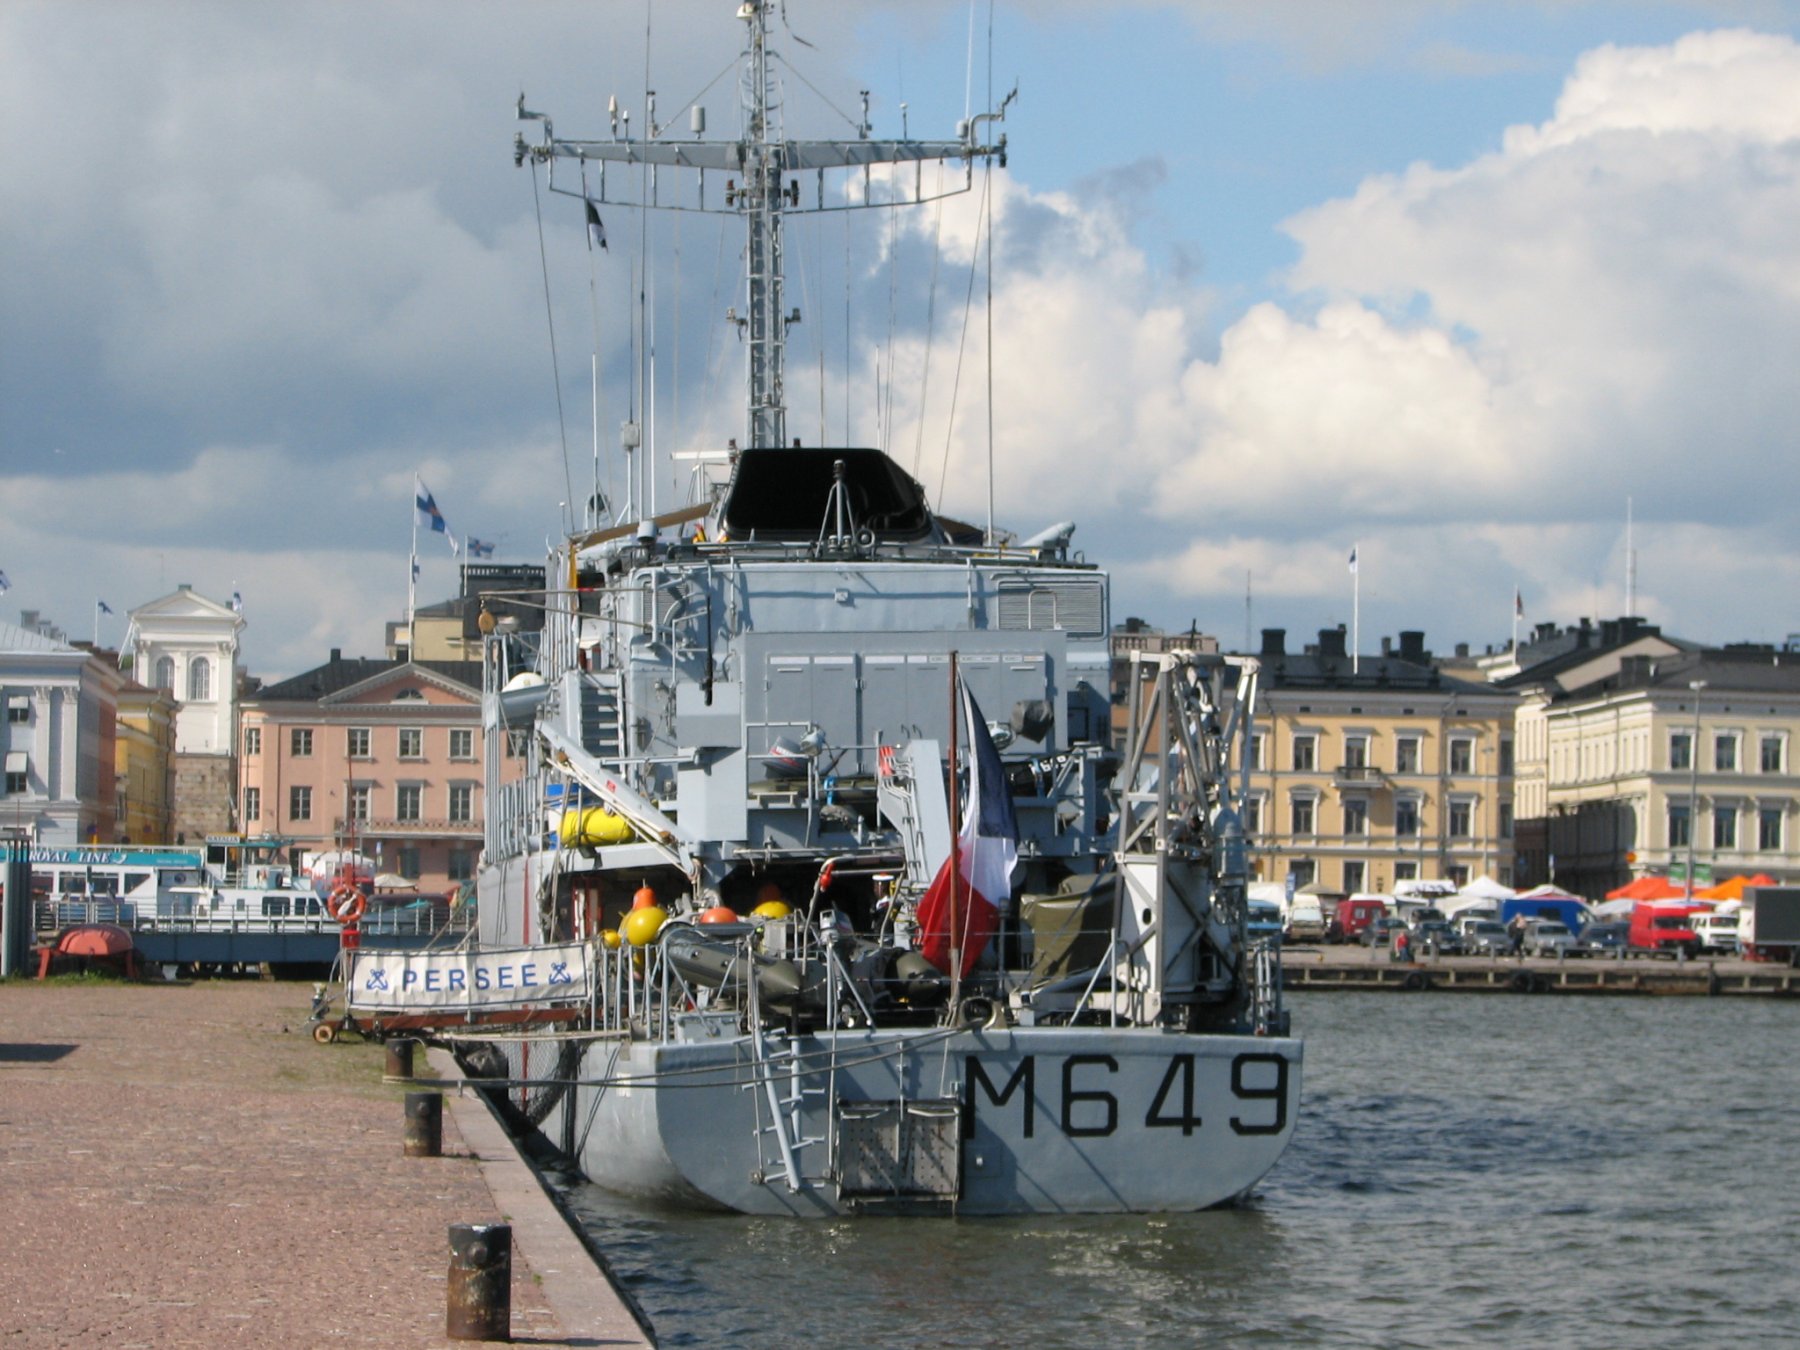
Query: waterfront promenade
[(183, 1166)]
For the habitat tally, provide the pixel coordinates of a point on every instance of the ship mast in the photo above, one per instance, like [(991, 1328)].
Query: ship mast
[(763, 187)]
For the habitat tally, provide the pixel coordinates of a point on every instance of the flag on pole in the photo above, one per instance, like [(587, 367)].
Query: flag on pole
[(1353, 557), (415, 567), (1518, 603), (5, 585), (982, 861), (480, 548), (104, 607), (596, 231), (237, 602), (434, 518)]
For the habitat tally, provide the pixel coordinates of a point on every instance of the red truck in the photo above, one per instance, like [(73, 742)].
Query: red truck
[(1353, 915), (1664, 927)]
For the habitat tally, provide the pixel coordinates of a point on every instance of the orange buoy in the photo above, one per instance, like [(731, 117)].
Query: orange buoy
[(644, 898), (719, 914), (769, 892)]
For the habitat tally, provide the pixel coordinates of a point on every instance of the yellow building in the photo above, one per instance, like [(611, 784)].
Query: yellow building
[(144, 762), (1371, 771)]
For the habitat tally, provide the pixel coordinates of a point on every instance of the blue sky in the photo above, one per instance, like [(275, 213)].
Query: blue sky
[(1450, 281)]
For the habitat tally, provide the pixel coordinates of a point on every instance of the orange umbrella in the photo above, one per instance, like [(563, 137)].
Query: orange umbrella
[(1647, 887)]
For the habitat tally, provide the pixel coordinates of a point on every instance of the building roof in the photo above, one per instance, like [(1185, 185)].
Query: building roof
[(1328, 665), (1727, 670), (1551, 651), (341, 673), (16, 639)]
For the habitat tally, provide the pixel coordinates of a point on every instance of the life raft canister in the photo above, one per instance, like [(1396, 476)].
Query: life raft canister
[(346, 903)]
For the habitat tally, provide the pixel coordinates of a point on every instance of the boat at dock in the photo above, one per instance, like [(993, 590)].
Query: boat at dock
[(823, 825)]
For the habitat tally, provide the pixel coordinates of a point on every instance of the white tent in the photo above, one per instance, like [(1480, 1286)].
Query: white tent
[(1486, 888), (1470, 906), (1614, 909)]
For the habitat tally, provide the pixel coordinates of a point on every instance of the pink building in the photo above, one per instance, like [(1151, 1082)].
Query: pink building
[(383, 756)]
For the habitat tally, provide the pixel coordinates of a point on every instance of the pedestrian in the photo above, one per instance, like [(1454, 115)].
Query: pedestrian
[(1402, 945), (1516, 934)]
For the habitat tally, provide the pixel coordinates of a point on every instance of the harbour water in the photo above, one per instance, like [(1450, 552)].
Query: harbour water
[(1468, 1170)]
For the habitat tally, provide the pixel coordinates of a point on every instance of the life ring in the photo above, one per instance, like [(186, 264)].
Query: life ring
[(1415, 980), (1523, 982), (346, 903)]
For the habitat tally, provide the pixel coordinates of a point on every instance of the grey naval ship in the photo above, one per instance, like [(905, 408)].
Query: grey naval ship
[(879, 911)]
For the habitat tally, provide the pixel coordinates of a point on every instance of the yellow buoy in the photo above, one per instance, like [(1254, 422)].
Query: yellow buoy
[(642, 925), (610, 936), (772, 909), (593, 826)]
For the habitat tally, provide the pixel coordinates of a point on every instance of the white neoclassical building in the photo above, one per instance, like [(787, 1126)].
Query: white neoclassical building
[(187, 644)]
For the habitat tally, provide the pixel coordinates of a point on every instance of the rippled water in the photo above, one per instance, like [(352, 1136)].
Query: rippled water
[(1468, 1170)]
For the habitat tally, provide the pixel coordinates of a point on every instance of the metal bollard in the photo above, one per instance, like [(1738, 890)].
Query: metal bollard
[(478, 1301), (400, 1057), (424, 1133)]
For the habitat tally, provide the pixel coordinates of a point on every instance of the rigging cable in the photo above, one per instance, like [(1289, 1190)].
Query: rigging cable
[(983, 226), (562, 426)]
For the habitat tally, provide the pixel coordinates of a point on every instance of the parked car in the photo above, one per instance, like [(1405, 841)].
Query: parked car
[(1380, 932), (1548, 937), (1486, 937), (1436, 935), (1605, 939)]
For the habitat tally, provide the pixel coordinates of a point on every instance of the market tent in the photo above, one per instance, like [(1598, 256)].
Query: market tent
[(1473, 906), (1486, 888), (1548, 892), (1647, 887), (1733, 888), (1614, 909)]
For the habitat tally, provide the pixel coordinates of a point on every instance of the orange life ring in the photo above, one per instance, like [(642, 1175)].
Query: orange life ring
[(346, 903)]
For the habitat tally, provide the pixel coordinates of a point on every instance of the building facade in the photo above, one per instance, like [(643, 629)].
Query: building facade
[(59, 738), (1675, 758), (145, 765), (1374, 771), (187, 645), (381, 756)]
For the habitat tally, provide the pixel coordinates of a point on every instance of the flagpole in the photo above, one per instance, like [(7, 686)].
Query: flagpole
[(1518, 604), (1355, 610), (96, 625), (955, 846), (412, 574)]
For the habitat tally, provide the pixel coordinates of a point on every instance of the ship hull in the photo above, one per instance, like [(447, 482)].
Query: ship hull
[(1020, 1120)]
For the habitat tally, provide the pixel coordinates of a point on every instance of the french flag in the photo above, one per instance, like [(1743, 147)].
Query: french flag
[(981, 867)]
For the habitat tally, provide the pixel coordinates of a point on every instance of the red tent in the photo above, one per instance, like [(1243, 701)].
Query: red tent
[(1648, 888), (1734, 888)]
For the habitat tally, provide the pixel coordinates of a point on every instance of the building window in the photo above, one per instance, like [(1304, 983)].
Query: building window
[(409, 862), (1253, 816), (359, 801), (165, 673), (1461, 814), (252, 804), (1406, 817), (1506, 820), (18, 709), (462, 864), (1354, 873), (1406, 755), (1680, 825), (299, 803), (462, 802), (412, 743), (1406, 871), (1771, 754), (1303, 871), (1356, 752), (462, 743), (199, 680), (407, 800), (17, 780), (1681, 750), (300, 742), (1506, 756), (1306, 753), (252, 740), (1462, 755), (1725, 752), (1768, 829), (356, 742), (1356, 816), (1303, 815), (1724, 827), (1457, 875)]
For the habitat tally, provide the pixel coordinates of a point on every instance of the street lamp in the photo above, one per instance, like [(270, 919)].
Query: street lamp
[(1693, 785)]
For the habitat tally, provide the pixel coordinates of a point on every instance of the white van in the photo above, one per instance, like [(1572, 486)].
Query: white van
[(1717, 932), (1306, 919)]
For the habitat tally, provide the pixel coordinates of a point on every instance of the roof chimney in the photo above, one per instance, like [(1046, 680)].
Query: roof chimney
[(337, 654), (1274, 642), (1412, 647), (1331, 641)]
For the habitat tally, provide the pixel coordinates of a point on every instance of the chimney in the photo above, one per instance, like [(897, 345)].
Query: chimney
[(1387, 646), (1274, 642), (1331, 641), (337, 654), (1412, 647), (1462, 651)]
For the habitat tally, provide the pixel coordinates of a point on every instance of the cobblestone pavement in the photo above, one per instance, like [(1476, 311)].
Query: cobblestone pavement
[(180, 1165)]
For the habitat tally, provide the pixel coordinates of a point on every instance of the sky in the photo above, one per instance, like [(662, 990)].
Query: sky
[(1457, 285)]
